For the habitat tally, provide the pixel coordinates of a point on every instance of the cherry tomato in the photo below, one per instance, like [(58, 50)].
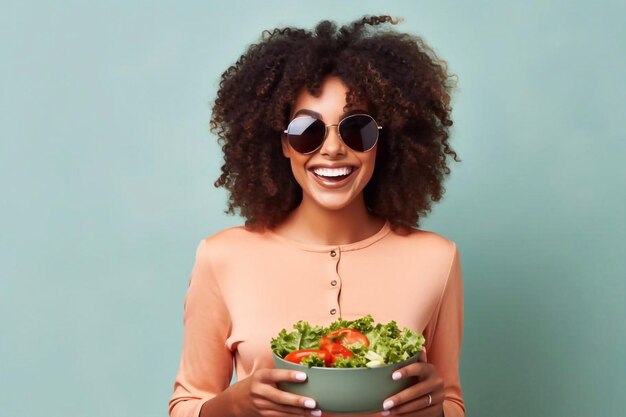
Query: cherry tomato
[(297, 355), (345, 337), (336, 350)]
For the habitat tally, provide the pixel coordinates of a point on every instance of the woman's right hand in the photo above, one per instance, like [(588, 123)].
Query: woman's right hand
[(258, 395)]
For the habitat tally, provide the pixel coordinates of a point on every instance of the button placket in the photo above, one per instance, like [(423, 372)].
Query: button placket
[(335, 283)]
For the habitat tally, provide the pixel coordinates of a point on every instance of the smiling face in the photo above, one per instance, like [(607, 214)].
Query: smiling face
[(315, 171)]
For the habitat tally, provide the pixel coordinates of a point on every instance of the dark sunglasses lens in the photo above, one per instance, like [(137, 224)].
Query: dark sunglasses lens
[(359, 132), (305, 134)]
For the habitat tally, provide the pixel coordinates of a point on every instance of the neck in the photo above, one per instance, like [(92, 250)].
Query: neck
[(311, 223)]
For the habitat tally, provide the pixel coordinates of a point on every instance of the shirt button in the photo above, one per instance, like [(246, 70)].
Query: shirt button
[(333, 311), (333, 283), (333, 253)]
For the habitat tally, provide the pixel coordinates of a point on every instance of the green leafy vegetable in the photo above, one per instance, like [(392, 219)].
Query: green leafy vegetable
[(312, 360), (363, 324), (356, 362), (388, 343), (304, 336)]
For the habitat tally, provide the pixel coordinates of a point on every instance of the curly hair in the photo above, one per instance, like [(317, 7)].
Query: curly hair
[(406, 86)]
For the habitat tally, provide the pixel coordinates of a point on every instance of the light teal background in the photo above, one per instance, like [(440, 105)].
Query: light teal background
[(106, 167)]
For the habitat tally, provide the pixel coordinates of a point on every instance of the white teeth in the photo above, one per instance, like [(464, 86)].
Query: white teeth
[(335, 172)]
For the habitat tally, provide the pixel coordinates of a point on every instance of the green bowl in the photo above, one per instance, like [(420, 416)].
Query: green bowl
[(347, 390)]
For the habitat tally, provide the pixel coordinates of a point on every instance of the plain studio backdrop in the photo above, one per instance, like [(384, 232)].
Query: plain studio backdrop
[(107, 165)]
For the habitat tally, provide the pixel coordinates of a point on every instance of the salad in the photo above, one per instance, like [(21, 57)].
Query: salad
[(347, 344)]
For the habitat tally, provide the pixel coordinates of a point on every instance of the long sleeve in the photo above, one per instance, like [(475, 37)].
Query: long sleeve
[(446, 333), (206, 363)]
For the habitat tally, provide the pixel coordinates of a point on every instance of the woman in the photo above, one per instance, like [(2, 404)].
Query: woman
[(335, 143)]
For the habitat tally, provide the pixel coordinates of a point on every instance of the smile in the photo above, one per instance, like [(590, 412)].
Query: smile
[(333, 178), (333, 173)]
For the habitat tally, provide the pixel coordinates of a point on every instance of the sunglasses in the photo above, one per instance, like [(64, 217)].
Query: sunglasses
[(358, 131)]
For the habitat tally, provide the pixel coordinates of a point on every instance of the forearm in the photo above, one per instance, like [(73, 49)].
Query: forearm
[(222, 405)]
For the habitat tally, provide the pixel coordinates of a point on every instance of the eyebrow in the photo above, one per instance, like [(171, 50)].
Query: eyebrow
[(319, 116)]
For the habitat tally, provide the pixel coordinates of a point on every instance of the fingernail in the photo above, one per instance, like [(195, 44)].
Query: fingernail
[(309, 404), (301, 376), (387, 404), (316, 413), (396, 375), (385, 413)]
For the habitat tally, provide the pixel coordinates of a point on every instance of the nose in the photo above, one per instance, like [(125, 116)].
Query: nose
[(333, 145)]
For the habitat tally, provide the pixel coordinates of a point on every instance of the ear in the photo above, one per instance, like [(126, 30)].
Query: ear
[(286, 148)]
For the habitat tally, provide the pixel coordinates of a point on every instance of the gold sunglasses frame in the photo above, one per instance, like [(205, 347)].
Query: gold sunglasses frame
[(286, 131)]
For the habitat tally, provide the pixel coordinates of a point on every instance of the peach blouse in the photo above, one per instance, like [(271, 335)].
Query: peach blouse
[(246, 286)]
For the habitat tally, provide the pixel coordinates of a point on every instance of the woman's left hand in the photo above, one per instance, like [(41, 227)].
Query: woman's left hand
[(414, 401)]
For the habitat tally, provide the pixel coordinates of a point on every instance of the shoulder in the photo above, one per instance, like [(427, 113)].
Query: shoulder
[(228, 241), (435, 253), (424, 240), (234, 236), (423, 247)]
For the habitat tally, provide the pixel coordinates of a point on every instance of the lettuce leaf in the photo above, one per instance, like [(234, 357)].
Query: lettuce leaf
[(304, 336), (393, 344), (312, 360), (363, 324), (356, 362)]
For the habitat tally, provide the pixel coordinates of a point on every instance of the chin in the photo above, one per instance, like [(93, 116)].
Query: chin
[(333, 204)]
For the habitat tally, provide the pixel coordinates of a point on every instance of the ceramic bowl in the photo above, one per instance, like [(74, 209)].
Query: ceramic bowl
[(347, 390)]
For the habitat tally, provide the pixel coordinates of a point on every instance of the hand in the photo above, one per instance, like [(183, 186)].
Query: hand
[(414, 400), (258, 395)]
